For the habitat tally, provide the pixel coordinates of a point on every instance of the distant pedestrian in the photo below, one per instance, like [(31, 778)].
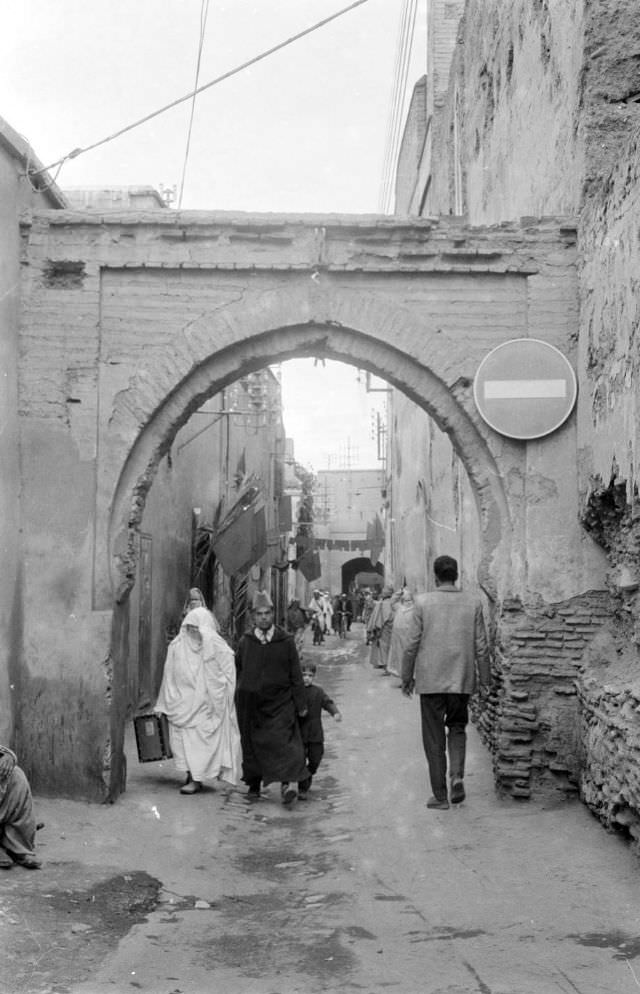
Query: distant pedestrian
[(296, 623), (197, 696), (195, 598), (403, 612), (327, 605), (17, 820), (446, 656), (381, 622), (315, 611), (343, 613), (270, 702), (311, 725), (368, 607)]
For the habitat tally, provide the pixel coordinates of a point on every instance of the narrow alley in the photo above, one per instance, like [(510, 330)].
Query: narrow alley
[(361, 888)]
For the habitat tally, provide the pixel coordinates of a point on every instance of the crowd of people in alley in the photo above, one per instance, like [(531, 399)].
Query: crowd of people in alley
[(260, 719), (256, 715)]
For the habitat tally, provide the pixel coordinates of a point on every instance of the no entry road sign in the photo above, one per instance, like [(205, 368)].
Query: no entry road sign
[(525, 388)]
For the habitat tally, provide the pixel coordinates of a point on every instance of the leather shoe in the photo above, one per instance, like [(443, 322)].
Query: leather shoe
[(457, 791), (28, 862), (289, 793), (193, 787), (437, 805)]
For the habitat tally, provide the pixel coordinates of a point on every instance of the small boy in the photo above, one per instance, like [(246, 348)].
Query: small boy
[(311, 725)]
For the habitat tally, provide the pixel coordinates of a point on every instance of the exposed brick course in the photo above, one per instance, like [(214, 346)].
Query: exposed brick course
[(532, 723)]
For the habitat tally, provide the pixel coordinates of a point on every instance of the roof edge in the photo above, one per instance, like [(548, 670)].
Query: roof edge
[(20, 149)]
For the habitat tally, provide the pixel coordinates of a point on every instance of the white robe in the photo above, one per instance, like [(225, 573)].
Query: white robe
[(316, 608), (197, 696)]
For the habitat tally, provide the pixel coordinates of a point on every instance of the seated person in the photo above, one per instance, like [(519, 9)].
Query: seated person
[(17, 820)]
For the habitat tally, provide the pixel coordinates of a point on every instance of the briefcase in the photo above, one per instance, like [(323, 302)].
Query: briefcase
[(152, 737)]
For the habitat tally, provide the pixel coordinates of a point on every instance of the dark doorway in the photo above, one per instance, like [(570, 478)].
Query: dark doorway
[(361, 572)]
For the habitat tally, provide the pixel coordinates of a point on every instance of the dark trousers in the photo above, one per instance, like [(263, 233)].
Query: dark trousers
[(313, 752), (444, 720)]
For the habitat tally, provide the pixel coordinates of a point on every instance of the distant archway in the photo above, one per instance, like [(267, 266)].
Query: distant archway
[(361, 572)]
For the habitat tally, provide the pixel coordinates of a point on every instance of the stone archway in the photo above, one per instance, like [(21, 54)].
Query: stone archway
[(324, 334), (164, 309), (330, 340)]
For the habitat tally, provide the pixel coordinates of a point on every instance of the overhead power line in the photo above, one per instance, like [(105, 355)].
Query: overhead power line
[(204, 13), (206, 86), (401, 75), (393, 105)]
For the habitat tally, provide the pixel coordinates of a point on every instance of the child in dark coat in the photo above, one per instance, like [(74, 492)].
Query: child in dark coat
[(311, 725)]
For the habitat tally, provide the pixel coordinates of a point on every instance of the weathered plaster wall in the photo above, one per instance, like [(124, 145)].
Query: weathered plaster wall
[(609, 438), (543, 113), (10, 586), (16, 195), (514, 106), (432, 504)]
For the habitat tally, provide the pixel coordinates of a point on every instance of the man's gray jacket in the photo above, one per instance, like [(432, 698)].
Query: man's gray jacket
[(447, 649)]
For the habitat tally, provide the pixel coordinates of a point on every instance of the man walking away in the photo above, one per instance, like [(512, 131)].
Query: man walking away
[(446, 655)]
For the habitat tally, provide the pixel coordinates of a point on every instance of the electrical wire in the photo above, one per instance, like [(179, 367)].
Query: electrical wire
[(394, 94), (391, 111), (204, 13), (404, 47), (392, 99), (386, 167), (219, 79), (397, 138), (396, 134)]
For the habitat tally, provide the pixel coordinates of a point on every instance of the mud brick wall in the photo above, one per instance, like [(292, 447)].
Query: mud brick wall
[(609, 409), (609, 688), (531, 719), (610, 752)]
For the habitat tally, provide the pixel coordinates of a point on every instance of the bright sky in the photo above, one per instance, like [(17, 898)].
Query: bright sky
[(302, 131)]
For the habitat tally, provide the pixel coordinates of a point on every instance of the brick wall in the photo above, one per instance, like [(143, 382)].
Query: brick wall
[(609, 737), (532, 723)]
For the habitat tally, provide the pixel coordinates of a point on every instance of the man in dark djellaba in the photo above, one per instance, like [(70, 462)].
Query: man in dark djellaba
[(270, 700)]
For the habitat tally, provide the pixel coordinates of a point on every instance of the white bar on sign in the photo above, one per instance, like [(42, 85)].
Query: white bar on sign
[(524, 389)]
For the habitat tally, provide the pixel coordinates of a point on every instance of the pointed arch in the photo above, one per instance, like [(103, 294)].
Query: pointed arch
[(218, 348)]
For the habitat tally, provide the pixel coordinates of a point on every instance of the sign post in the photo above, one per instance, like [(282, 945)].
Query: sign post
[(525, 388)]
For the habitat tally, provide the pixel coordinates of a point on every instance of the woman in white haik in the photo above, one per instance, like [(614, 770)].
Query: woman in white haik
[(197, 696)]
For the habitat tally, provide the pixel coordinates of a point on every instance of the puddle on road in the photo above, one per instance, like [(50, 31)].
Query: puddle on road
[(626, 946), (269, 933), (278, 863)]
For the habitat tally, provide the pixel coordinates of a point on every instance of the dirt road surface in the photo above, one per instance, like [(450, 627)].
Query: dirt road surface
[(358, 889)]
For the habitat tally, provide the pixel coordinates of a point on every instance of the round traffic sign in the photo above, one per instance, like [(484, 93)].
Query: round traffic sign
[(525, 388)]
